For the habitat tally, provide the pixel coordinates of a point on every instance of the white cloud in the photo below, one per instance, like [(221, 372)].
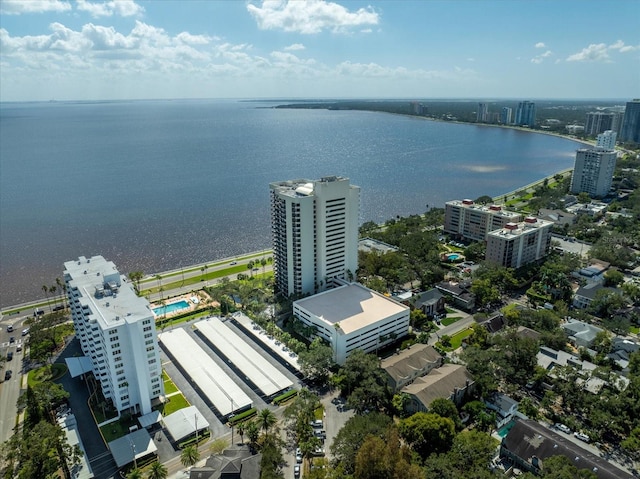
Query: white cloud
[(123, 8), (622, 48), (309, 16), (294, 47), (540, 45), (596, 52), (540, 58), (17, 7)]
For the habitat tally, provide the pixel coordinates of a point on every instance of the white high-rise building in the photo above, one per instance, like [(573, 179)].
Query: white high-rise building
[(483, 112), (314, 225), (593, 171), (116, 329), (465, 219), (607, 140)]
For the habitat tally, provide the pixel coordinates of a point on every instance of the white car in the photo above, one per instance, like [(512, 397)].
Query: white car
[(582, 436), (563, 428), (296, 471), (298, 455)]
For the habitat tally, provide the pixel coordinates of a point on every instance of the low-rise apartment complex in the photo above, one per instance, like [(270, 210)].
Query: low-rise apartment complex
[(518, 244), (116, 329), (465, 219)]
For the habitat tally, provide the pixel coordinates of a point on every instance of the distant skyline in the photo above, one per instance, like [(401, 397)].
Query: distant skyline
[(125, 49)]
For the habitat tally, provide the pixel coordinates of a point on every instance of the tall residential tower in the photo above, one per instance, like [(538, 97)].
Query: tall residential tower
[(314, 226), (593, 171), (630, 130), (526, 114), (116, 329)]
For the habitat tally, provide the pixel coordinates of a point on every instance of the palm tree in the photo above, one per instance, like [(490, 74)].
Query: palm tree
[(157, 471), (45, 288), (52, 290), (134, 474), (263, 262), (240, 427), (189, 456), (62, 289), (252, 432), (266, 420)]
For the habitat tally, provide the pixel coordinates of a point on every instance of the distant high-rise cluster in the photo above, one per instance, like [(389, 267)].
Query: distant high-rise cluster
[(506, 115), (630, 130), (314, 225), (526, 114), (483, 112)]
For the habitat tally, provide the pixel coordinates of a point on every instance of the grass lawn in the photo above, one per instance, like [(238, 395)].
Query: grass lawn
[(635, 329), (173, 404), (118, 429), (50, 372), (451, 320), (169, 386), (449, 310), (456, 339)]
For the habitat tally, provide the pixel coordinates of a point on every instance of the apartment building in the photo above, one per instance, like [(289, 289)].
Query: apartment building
[(314, 226), (518, 244), (630, 130), (465, 219), (116, 330), (593, 171), (526, 114), (352, 317)]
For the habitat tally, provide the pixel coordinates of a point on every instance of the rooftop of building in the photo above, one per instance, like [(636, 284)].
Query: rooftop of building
[(513, 230), (110, 297), (441, 382), (302, 187), (351, 305), (414, 358), (370, 244), (493, 209), (534, 442)]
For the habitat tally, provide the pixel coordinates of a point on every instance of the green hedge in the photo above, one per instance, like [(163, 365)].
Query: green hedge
[(201, 437), (243, 416), (284, 397)]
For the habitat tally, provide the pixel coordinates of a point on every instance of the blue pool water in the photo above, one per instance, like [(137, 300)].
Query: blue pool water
[(170, 308), (453, 256)]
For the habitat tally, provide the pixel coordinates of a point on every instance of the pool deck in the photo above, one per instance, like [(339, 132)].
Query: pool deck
[(200, 296)]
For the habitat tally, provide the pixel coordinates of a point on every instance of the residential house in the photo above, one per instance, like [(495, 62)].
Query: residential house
[(430, 302), (505, 407), (405, 366), (450, 381), (460, 293), (528, 444), (557, 217), (585, 295), (580, 334), (237, 462)]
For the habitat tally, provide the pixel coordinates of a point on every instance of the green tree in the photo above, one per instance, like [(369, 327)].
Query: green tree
[(157, 471), (316, 361), (219, 445), (352, 435), (189, 456), (364, 384), (613, 278), (446, 408), (267, 420), (134, 474), (427, 432)]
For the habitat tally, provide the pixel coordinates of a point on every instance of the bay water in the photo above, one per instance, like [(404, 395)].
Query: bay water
[(157, 185)]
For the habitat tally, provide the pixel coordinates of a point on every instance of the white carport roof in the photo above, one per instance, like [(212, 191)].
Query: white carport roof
[(223, 392), (78, 366), (259, 371), (137, 443), (150, 419), (184, 422)]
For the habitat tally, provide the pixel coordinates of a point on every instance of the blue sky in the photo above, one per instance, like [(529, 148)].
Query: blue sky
[(126, 49)]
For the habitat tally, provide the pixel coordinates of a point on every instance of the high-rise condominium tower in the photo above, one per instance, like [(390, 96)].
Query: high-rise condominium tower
[(314, 226), (593, 171), (116, 329), (526, 114), (630, 130)]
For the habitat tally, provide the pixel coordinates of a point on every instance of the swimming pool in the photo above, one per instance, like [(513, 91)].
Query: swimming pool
[(453, 256), (170, 308)]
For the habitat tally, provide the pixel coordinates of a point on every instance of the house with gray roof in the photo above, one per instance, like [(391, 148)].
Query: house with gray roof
[(450, 381), (505, 407), (528, 444), (430, 302), (585, 295), (405, 366), (460, 293), (581, 334), (236, 462)]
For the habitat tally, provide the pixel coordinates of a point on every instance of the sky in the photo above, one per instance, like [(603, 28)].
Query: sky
[(319, 49)]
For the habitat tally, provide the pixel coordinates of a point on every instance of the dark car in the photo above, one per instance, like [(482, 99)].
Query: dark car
[(12, 339), (9, 355), (7, 374)]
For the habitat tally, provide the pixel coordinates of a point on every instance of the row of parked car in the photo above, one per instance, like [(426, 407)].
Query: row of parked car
[(578, 435)]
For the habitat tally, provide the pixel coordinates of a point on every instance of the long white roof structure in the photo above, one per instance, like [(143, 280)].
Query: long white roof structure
[(222, 391), (259, 334), (260, 372)]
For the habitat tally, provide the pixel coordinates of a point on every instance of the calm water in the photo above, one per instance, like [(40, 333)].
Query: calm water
[(160, 185)]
